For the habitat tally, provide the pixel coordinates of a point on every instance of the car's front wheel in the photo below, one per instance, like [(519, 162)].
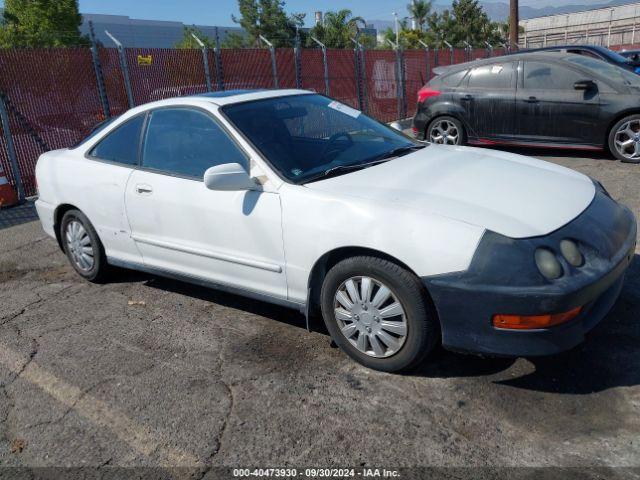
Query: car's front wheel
[(378, 313), (82, 246), (446, 131), (624, 139)]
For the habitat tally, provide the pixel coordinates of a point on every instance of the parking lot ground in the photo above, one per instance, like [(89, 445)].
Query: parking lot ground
[(144, 371)]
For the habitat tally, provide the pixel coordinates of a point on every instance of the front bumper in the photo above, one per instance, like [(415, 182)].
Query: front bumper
[(503, 279)]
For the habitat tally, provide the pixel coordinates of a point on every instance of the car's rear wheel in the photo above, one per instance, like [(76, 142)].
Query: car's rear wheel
[(378, 313), (83, 247), (446, 131), (624, 139)]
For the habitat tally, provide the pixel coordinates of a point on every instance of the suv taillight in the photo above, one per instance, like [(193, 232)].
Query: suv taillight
[(425, 92)]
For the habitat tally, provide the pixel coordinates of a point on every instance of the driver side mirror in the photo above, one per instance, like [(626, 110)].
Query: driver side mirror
[(585, 85), (229, 177)]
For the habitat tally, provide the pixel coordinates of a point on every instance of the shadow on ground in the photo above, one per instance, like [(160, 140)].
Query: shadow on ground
[(609, 358), (12, 216)]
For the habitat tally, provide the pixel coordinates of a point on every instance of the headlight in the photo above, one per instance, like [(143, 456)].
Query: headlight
[(571, 253), (548, 264)]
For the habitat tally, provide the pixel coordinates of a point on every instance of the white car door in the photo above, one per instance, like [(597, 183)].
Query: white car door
[(98, 184), (180, 226)]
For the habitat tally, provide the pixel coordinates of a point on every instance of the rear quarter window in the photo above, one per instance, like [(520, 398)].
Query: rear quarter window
[(454, 79), (120, 145)]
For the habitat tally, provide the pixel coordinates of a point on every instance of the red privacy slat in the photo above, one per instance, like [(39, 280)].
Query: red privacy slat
[(52, 101), (381, 84), (285, 61), (342, 78), (415, 67), (161, 73), (113, 80), (312, 70), (247, 68)]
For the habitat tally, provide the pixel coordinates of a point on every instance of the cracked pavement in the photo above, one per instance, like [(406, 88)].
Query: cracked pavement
[(196, 379)]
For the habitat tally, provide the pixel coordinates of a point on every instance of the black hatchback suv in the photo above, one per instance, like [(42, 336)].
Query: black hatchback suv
[(553, 100)]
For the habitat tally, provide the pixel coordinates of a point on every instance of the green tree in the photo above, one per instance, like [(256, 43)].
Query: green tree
[(465, 22), (266, 18), (189, 42), (41, 23), (420, 11), (338, 29), (235, 40)]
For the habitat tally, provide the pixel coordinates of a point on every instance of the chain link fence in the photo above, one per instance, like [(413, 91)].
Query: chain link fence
[(53, 97)]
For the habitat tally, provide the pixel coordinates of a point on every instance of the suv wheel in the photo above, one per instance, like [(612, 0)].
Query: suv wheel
[(446, 131), (378, 313), (624, 139)]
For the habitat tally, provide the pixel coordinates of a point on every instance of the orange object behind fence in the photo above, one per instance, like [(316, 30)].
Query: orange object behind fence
[(8, 195)]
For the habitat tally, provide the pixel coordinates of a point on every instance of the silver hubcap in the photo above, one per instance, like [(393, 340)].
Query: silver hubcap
[(627, 139), (370, 316), (79, 244), (444, 132)]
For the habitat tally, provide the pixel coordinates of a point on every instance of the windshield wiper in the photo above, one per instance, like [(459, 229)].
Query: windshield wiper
[(396, 152), (330, 172)]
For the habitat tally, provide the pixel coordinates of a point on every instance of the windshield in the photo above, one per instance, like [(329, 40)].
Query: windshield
[(615, 56), (307, 137), (617, 74)]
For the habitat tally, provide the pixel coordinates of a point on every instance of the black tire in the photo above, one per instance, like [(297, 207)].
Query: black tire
[(99, 271), (612, 136), (462, 134), (423, 329)]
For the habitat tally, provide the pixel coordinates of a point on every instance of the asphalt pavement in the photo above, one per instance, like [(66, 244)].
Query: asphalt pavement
[(148, 372)]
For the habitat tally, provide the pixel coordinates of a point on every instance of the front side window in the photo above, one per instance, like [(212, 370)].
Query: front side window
[(612, 72), (186, 142), (549, 76), (121, 145), (497, 76), (307, 137)]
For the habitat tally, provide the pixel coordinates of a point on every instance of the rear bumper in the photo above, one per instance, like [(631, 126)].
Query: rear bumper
[(46, 213), (495, 284)]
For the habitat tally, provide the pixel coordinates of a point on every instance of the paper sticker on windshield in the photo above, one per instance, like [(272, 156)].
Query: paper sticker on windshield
[(341, 107)]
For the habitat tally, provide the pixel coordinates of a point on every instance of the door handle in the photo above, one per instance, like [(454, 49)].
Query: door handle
[(467, 98), (532, 100), (143, 189)]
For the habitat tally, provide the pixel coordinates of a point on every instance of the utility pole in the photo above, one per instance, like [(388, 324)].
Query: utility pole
[(414, 23), (395, 15), (514, 23)]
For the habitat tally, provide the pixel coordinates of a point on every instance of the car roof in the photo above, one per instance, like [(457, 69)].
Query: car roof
[(567, 47), (514, 57), (227, 97)]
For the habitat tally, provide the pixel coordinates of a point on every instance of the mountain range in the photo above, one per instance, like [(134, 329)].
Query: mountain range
[(499, 10)]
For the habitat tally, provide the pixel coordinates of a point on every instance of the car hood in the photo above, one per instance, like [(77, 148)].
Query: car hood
[(512, 195)]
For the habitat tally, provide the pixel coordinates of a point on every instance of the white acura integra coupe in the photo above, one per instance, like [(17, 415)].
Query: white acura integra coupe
[(293, 198)]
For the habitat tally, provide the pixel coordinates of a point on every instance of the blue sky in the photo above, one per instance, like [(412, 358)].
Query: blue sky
[(218, 12)]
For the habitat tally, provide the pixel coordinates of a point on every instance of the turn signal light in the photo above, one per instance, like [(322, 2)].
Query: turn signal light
[(426, 92), (530, 322)]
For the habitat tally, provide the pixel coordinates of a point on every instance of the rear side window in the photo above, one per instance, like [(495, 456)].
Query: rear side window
[(549, 76), (497, 76), (454, 79), (186, 142), (121, 145)]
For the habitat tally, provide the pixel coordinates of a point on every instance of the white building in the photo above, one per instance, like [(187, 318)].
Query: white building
[(611, 26)]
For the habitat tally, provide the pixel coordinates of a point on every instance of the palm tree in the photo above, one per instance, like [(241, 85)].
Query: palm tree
[(339, 27), (420, 11)]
